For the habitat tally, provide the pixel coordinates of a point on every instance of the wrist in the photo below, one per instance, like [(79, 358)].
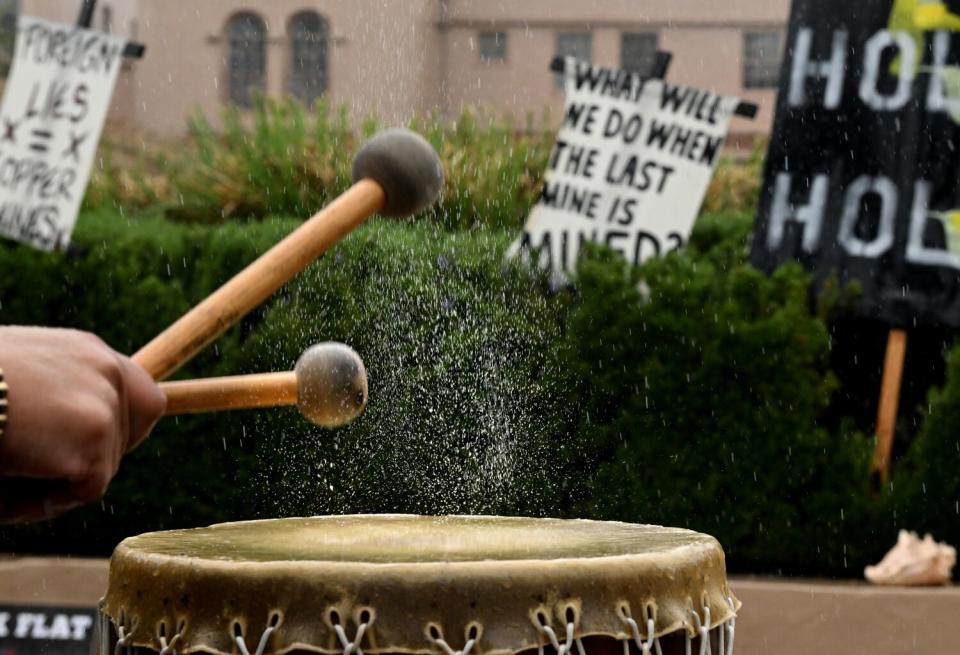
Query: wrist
[(3, 404)]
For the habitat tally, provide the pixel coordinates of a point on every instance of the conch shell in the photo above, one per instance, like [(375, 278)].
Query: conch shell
[(914, 562)]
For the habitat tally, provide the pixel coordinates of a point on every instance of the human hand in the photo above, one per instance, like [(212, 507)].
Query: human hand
[(75, 406)]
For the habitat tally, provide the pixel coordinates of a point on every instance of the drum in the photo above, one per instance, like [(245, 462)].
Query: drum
[(346, 585)]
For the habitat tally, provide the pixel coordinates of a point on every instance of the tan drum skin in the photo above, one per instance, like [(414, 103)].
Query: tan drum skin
[(458, 585)]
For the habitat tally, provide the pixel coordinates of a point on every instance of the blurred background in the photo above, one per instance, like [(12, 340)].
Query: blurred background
[(422, 57), (720, 399)]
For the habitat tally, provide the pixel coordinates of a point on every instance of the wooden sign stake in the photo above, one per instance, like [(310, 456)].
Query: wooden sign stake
[(889, 400)]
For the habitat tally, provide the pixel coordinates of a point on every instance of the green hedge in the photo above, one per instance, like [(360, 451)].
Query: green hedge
[(691, 391), (281, 159), (702, 397), (278, 158), (458, 349), (926, 488)]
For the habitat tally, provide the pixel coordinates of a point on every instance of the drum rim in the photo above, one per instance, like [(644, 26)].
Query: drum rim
[(699, 542)]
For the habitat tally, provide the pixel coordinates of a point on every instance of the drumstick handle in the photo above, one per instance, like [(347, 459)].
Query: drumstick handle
[(236, 392), (224, 307)]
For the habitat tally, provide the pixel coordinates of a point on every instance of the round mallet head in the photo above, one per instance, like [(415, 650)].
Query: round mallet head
[(331, 384), (405, 166)]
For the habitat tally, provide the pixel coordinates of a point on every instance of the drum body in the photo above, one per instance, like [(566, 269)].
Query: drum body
[(404, 585)]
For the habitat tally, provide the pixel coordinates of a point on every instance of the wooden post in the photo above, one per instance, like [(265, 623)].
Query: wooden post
[(889, 400)]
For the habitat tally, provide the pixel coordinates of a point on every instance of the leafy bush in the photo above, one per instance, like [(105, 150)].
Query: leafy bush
[(131, 173), (688, 392), (280, 160), (463, 404), (702, 389), (493, 172), (926, 488), (735, 185)]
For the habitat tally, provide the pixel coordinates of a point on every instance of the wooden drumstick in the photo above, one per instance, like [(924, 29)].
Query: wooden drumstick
[(328, 385), (397, 173)]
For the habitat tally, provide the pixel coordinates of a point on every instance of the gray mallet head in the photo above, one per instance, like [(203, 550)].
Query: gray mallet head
[(331, 384), (406, 166)]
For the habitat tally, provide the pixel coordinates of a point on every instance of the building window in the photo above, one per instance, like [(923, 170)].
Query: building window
[(761, 59), (309, 46), (493, 46), (247, 58), (638, 52), (578, 45)]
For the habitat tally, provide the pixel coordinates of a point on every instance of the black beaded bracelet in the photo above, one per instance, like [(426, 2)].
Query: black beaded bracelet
[(3, 403)]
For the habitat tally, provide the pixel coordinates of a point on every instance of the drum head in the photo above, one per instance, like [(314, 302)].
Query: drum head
[(407, 583)]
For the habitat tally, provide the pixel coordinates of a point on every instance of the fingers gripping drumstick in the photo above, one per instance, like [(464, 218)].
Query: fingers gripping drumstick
[(397, 173), (328, 386)]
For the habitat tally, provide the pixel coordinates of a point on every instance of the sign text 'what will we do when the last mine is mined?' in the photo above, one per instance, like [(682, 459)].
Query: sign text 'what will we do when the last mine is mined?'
[(51, 117), (629, 169)]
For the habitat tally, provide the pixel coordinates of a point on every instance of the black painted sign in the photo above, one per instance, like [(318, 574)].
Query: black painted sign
[(862, 180), (39, 630)]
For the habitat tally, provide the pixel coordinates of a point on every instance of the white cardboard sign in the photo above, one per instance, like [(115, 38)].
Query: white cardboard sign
[(53, 109), (629, 169)]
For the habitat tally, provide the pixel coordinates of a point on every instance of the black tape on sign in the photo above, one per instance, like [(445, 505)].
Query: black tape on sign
[(85, 20), (661, 64)]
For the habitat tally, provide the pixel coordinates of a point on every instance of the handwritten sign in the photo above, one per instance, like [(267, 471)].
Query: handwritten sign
[(34, 630), (862, 180), (53, 110), (629, 169)]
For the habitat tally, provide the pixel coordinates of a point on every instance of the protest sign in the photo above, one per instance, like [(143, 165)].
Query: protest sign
[(629, 168), (53, 110), (42, 630), (862, 179)]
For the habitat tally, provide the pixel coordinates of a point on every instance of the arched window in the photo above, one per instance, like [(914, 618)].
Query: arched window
[(247, 58), (309, 36)]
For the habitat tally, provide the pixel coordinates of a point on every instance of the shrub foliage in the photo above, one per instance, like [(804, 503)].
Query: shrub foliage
[(280, 160), (690, 391), (702, 382), (687, 392), (459, 351)]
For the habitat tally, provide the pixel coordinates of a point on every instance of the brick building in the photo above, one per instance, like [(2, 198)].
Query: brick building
[(397, 58)]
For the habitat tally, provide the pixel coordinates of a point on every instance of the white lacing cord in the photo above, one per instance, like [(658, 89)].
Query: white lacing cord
[(350, 647), (168, 648), (703, 629), (121, 640), (122, 636), (261, 647), (645, 645), (729, 629), (565, 648), (441, 642)]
